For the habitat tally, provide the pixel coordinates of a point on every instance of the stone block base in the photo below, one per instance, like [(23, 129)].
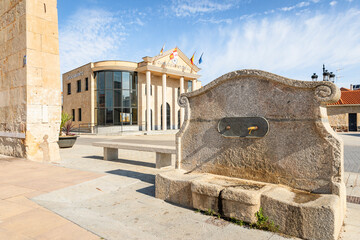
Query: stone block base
[(111, 154), (297, 213), (163, 160)]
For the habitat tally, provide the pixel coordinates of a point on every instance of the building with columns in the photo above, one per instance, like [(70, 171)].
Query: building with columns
[(114, 96)]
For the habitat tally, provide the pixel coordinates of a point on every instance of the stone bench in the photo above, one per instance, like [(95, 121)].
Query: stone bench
[(163, 153)]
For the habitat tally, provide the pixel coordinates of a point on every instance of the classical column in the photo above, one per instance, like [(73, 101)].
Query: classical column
[(92, 101), (181, 109), (148, 111), (193, 85), (164, 127)]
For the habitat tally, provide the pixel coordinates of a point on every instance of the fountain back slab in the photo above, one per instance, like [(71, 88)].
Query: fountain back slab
[(249, 134)]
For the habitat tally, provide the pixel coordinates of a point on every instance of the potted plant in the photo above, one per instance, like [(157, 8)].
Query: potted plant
[(66, 138)]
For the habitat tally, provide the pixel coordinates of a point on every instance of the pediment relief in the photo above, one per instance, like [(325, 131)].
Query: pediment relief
[(178, 62)]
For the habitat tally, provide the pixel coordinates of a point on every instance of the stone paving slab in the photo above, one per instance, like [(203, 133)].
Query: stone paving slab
[(21, 218), (123, 208)]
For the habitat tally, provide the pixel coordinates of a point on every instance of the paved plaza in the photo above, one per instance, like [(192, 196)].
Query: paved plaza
[(85, 197)]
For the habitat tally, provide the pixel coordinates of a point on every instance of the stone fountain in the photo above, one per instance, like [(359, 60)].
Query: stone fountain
[(252, 140)]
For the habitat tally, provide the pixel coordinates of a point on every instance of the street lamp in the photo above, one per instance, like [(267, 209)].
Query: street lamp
[(332, 77), (314, 77), (327, 76)]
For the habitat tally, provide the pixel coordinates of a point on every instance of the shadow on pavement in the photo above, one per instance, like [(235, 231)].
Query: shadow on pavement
[(353, 134), (145, 177), (148, 191), (126, 161)]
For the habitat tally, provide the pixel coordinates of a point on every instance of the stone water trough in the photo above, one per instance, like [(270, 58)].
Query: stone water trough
[(252, 140)]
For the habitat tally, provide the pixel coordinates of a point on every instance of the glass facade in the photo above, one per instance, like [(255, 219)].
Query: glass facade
[(116, 98)]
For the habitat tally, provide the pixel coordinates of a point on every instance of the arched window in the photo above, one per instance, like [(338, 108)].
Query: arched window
[(168, 114)]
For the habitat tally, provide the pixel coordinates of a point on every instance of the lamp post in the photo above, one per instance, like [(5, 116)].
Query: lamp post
[(332, 77), (327, 76), (314, 77)]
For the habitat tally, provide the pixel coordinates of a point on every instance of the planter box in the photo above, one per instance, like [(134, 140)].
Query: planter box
[(67, 141)]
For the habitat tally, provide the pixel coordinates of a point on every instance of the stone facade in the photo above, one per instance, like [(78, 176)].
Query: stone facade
[(339, 116), (293, 169), (84, 99), (29, 79)]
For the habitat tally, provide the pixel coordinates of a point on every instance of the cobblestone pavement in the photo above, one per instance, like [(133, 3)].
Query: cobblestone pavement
[(351, 151)]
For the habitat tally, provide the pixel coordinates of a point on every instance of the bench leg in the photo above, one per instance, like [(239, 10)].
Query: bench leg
[(110, 153), (163, 160)]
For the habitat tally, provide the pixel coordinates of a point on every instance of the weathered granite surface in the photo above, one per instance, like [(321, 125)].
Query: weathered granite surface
[(296, 213), (300, 149), (293, 170)]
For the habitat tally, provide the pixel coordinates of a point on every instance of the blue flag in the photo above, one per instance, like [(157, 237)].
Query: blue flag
[(200, 59)]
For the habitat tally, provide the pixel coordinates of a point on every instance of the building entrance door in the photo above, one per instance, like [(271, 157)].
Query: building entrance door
[(352, 122)]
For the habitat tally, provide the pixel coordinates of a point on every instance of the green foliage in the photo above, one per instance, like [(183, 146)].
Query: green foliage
[(237, 221), (264, 223), (210, 212), (68, 128), (65, 118)]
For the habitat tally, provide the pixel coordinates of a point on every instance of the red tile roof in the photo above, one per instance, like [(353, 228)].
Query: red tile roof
[(348, 97)]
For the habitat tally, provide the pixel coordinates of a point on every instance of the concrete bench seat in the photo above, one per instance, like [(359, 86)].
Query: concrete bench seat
[(163, 153)]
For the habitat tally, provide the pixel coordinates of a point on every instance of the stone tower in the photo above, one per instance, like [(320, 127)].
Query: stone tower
[(30, 90)]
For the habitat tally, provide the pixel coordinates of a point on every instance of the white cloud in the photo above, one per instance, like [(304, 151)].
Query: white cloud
[(299, 5), (183, 8), (92, 35), (333, 3), (282, 44)]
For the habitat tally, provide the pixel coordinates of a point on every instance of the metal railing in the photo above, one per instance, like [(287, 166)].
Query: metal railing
[(84, 128), (94, 129)]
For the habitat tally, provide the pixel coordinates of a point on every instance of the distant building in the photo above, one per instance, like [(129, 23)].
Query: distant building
[(114, 96), (345, 114), (354, 87)]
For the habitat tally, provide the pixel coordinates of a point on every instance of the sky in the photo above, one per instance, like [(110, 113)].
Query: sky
[(286, 37)]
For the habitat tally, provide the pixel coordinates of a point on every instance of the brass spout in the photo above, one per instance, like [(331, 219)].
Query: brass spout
[(253, 128)]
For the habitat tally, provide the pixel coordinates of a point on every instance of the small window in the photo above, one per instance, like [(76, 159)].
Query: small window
[(73, 114), (79, 115), (69, 88), (79, 86), (190, 83), (86, 84)]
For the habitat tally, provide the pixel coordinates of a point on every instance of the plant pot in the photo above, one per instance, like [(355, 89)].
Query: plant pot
[(67, 141)]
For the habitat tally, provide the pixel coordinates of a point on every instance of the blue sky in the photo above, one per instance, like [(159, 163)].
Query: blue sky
[(286, 37)]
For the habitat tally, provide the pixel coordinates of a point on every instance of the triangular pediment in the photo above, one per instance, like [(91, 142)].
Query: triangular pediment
[(183, 63)]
